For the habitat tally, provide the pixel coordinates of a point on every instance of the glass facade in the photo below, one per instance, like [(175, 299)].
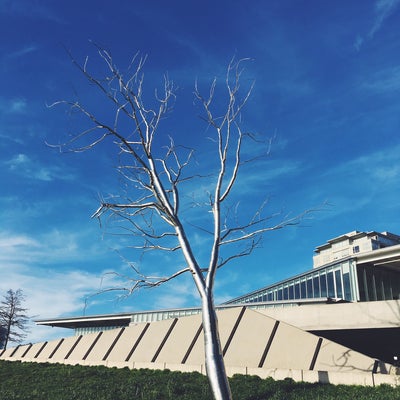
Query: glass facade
[(336, 281), (92, 329), (377, 283), (150, 316)]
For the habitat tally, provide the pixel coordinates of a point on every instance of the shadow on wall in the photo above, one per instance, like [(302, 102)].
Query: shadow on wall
[(323, 377)]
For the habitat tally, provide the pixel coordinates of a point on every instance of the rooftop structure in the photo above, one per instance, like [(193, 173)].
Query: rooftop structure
[(352, 243)]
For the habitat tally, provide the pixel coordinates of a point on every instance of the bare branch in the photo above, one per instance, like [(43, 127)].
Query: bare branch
[(246, 252), (140, 280), (258, 232)]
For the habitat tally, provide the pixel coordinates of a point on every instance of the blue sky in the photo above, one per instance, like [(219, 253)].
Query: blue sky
[(327, 88)]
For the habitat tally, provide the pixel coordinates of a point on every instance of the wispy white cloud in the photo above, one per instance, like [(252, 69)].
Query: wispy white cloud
[(358, 42), (179, 293), (22, 52), (387, 80), (18, 106), (383, 9), (382, 166), (54, 246), (13, 106), (32, 263), (24, 166), (369, 179), (29, 9), (48, 293), (270, 171)]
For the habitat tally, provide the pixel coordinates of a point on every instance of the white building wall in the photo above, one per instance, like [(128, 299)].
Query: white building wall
[(352, 243)]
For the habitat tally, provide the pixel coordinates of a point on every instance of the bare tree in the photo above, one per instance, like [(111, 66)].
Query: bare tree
[(153, 209), (13, 318)]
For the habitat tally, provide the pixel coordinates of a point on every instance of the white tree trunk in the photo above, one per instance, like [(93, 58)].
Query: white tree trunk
[(215, 366), (156, 182)]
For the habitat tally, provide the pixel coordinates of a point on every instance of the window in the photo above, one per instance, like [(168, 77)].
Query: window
[(362, 284), (338, 279), (303, 292), (316, 286), (322, 281), (346, 286), (378, 286), (387, 285), (331, 284), (309, 288), (370, 284), (297, 290), (356, 249), (291, 294)]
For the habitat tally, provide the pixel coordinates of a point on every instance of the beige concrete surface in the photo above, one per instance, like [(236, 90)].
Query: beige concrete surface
[(82, 347), (5, 354), (178, 343), (334, 357), (226, 322), (151, 340), (102, 345), (249, 342), (20, 351), (30, 355), (65, 347), (48, 350), (373, 314), (246, 335), (291, 348), (125, 343)]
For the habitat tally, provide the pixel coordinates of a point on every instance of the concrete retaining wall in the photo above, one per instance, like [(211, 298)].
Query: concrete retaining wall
[(253, 343)]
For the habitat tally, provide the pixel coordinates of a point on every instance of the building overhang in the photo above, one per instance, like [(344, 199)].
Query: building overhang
[(388, 257), (88, 321)]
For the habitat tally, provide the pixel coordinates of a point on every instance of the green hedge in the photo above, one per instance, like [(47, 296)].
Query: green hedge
[(35, 381)]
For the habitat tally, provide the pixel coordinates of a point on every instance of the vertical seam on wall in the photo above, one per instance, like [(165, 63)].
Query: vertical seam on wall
[(189, 350), (232, 334), (110, 349), (316, 352), (164, 340), (56, 348), (15, 350), (40, 350), (26, 351), (73, 347), (92, 345), (137, 342), (268, 346)]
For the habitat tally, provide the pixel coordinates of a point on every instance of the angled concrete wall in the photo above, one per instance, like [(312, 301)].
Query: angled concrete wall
[(371, 314), (252, 342), (248, 344)]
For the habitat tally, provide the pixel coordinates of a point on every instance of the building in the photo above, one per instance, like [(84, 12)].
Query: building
[(360, 270), (353, 243), (358, 266), (345, 309)]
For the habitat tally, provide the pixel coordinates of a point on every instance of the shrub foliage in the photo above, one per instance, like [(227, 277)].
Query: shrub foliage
[(36, 381)]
